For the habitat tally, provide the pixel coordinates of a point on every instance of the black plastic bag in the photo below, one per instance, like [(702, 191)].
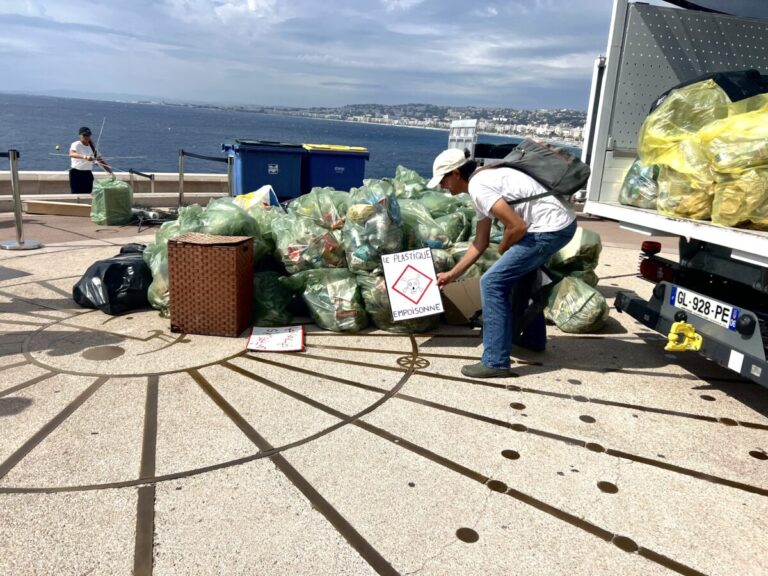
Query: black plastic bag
[(116, 285)]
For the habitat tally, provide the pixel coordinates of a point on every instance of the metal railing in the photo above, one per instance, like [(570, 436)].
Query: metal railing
[(183, 153), (151, 178), (19, 243)]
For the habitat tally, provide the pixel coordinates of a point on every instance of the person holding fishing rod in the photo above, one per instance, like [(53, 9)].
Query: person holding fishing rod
[(83, 154)]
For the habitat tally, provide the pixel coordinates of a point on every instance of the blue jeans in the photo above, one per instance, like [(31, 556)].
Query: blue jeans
[(531, 252)]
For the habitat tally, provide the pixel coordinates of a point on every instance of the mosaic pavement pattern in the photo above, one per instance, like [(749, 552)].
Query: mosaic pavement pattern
[(127, 449)]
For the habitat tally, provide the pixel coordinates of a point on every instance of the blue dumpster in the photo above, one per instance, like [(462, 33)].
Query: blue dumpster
[(258, 162), (341, 167)]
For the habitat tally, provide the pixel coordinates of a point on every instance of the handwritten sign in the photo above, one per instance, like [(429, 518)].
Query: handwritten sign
[(280, 339), (412, 284)]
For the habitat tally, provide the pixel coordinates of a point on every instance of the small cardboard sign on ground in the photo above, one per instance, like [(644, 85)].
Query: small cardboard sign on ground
[(279, 339), (411, 284)]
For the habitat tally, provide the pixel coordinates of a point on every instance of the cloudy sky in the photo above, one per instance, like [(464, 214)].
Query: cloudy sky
[(515, 53)]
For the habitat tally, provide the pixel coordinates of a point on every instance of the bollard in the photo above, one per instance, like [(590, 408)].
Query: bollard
[(19, 243), (230, 168), (181, 177)]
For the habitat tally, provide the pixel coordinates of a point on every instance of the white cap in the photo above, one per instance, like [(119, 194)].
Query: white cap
[(445, 163)]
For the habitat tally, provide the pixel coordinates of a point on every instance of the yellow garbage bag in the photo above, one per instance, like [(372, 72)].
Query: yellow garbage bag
[(684, 195), (683, 113), (742, 200), (737, 143)]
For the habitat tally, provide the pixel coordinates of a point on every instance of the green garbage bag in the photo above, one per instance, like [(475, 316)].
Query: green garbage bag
[(442, 259), (303, 244), (640, 187), (408, 183), (455, 226), (333, 298), (156, 254), (486, 260), (420, 229), (341, 201), (372, 226), (224, 217), (264, 217), (111, 202), (319, 205), (575, 307), (439, 203), (376, 299), (271, 300), (581, 253)]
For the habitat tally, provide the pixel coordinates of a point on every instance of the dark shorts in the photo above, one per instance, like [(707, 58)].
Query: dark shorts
[(80, 181)]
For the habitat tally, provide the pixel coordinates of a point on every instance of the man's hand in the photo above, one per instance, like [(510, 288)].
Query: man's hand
[(444, 278)]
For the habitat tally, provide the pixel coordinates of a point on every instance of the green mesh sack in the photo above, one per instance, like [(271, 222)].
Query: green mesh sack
[(575, 307), (302, 244), (320, 206), (372, 226), (376, 299), (333, 298), (271, 300), (111, 202)]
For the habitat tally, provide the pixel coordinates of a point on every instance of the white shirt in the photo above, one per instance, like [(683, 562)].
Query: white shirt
[(81, 150), (547, 214)]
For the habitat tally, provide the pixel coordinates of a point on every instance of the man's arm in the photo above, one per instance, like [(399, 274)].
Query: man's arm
[(514, 226), (474, 251)]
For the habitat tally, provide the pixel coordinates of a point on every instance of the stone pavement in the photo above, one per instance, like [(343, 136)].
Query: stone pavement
[(127, 449)]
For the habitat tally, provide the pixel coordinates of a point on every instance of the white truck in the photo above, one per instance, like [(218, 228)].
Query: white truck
[(717, 293)]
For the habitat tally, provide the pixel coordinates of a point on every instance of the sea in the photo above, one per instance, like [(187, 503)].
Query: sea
[(147, 136)]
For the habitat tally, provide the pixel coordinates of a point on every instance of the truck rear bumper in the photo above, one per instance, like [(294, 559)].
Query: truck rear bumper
[(741, 354)]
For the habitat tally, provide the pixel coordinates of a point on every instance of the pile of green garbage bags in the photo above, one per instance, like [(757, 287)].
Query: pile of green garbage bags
[(704, 157), (320, 254)]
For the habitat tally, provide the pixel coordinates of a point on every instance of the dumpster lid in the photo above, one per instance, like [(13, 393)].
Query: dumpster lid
[(334, 148), (244, 142)]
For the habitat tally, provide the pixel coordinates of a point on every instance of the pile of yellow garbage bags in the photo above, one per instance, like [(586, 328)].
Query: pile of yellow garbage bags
[(709, 157)]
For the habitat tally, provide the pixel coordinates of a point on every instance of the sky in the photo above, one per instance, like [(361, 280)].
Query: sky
[(507, 53)]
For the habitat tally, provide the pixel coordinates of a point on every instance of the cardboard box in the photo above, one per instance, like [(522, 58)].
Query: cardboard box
[(461, 300), (210, 283)]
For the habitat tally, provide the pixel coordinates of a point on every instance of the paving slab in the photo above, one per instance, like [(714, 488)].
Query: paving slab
[(128, 449)]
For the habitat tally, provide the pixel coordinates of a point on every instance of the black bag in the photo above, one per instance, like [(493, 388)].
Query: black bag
[(116, 285), (559, 171)]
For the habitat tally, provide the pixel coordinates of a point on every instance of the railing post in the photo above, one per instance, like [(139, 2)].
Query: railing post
[(152, 183), (181, 177), (230, 167), (19, 243)]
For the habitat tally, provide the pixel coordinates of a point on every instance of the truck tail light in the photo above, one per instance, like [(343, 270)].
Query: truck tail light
[(656, 271), (649, 247)]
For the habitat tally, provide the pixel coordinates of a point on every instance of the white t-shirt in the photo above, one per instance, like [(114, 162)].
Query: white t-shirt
[(547, 214), (81, 150)]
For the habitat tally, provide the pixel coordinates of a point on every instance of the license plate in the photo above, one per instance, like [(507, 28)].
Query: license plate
[(716, 312)]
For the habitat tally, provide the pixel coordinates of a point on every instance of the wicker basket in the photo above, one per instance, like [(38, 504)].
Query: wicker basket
[(210, 284)]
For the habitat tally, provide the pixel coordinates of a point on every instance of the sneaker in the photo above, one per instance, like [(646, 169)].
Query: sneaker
[(480, 370)]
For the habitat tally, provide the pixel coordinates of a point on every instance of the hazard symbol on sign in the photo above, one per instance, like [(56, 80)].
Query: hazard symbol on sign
[(412, 284)]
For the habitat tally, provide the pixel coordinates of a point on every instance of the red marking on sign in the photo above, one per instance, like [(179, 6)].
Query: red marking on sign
[(410, 287)]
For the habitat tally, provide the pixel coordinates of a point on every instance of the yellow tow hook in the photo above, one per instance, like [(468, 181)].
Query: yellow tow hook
[(682, 336)]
